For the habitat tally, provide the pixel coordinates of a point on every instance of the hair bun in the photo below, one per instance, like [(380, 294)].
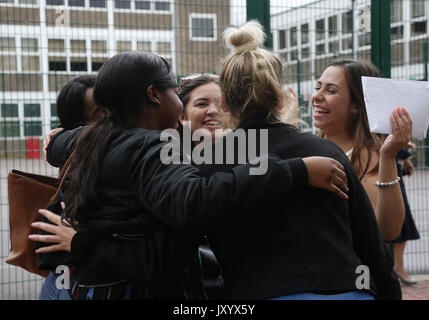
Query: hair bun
[(248, 37)]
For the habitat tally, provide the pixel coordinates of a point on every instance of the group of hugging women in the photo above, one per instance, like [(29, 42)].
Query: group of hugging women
[(130, 227)]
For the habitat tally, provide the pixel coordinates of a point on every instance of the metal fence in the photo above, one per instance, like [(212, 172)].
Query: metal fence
[(45, 43)]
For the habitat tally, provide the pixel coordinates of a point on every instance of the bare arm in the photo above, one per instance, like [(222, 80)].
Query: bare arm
[(387, 202)]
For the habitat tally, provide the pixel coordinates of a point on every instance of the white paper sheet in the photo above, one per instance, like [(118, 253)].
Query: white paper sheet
[(382, 96)]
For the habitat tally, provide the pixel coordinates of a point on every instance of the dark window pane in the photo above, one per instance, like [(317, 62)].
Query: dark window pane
[(96, 66), (364, 39), (304, 33), (418, 28), (347, 22), (320, 29), (55, 2), (78, 66), (122, 4), (305, 53), (77, 3), (320, 49), (202, 28), (143, 5), (9, 110), (32, 128), (162, 6), (9, 128), (54, 110), (57, 66), (332, 26), (54, 124), (32, 110), (293, 36), (397, 33), (282, 39), (97, 3)]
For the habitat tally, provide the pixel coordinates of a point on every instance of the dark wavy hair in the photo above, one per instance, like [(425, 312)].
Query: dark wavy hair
[(70, 101), (120, 92), (359, 126)]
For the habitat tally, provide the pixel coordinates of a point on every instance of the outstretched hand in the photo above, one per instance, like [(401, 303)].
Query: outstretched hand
[(327, 173), (60, 237)]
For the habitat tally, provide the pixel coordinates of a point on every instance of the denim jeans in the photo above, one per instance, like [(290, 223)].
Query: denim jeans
[(50, 291), (355, 295)]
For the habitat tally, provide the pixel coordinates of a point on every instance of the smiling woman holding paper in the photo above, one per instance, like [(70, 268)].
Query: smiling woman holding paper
[(339, 112)]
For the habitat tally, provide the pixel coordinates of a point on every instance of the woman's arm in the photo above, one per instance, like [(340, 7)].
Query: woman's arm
[(61, 146), (368, 242), (387, 202)]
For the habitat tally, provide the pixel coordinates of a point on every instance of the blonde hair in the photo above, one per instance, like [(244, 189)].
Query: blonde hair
[(251, 76)]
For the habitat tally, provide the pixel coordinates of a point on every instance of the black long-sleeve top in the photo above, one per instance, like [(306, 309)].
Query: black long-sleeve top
[(136, 190), (312, 241)]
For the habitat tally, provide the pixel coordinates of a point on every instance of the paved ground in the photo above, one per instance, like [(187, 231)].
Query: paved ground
[(420, 291)]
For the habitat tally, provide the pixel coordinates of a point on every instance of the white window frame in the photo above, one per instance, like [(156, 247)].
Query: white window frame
[(212, 16)]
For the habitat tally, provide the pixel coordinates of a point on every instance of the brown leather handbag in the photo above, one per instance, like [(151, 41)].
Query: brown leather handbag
[(27, 194)]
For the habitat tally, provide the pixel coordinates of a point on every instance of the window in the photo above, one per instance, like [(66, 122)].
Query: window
[(162, 6), (123, 46), (320, 29), (54, 117), (32, 120), (142, 5), (346, 44), (144, 46), (123, 4), (304, 33), (334, 46), (99, 46), (417, 8), (9, 124), (7, 54), (97, 3), (78, 64), (203, 27), (364, 39), (418, 28), (347, 19), (395, 11), (35, 2), (320, 49), (294, 55), (398, 54), (57, 55), (305, 53), (163, 47), (282, 39), (333, 26), (76, 3), (30, 63), (55, 2), (397, 33), (97, 63), (29, 54), (293, 37), (78, 46)]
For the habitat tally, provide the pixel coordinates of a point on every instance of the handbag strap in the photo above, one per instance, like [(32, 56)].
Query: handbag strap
[(63, 174)]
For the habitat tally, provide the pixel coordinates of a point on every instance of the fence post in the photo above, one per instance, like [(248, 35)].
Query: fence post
[(380, 36), (260, 10)]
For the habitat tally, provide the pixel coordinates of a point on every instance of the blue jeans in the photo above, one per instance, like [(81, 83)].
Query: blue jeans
[(355, 295), (49, 289)]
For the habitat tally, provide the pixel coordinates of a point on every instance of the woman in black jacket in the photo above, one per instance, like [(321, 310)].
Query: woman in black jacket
[(120, 190)]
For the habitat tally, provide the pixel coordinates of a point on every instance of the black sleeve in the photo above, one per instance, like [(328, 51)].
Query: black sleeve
[(158, 256), (61, 146), (368, 242), (177, 194), (403, 154)]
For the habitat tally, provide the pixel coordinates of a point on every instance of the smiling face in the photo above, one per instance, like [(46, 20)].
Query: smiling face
[(202, 109), (332, 107)]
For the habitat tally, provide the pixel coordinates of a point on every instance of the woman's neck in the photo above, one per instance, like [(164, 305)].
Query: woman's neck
[(345, 142)]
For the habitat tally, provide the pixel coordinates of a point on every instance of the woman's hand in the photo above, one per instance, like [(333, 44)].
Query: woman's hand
[(290, 108), (61, 234), (327, 173), (402, 128), (47, 139), (408, 167)]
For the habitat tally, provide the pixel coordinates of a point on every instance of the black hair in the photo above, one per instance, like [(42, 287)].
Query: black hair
[(120, 92), (70, 101)]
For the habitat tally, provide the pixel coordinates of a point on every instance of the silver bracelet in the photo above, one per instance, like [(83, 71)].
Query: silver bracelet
[(387, 184)]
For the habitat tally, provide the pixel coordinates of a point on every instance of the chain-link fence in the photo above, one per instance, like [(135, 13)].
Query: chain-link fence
[(45, 43)]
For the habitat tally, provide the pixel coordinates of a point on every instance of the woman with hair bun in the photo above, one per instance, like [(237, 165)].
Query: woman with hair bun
[(312, 245)]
